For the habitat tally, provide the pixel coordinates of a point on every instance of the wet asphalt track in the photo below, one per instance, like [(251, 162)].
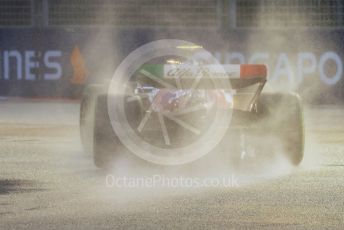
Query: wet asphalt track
[(47, 183)]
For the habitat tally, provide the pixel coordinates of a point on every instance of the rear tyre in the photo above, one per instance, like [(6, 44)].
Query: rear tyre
[(87, 116), (282, 115), (107, 146)]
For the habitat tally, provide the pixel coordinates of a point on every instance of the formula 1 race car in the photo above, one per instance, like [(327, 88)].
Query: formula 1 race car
[(171, 113)]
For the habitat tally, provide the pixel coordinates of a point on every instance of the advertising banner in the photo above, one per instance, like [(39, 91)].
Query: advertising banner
[(57, 63)]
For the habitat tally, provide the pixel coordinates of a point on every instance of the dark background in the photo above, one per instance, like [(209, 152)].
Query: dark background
[(97, 35)]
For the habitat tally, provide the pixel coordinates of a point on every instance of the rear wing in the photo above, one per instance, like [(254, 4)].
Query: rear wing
[(166, 76), (252, 71), (246, 81)]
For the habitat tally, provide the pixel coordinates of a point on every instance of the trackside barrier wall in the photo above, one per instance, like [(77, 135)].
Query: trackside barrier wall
[(58, 62)]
